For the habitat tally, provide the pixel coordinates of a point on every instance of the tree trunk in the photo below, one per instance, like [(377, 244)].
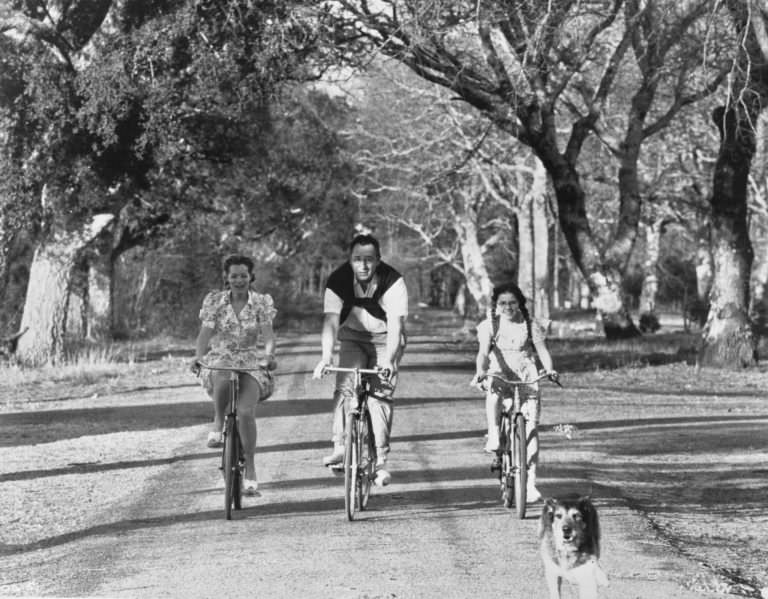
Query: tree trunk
[(604, 281), (533, 252), (100, 317), (727, 338), (45, 308), (650, 279), (475, 273)]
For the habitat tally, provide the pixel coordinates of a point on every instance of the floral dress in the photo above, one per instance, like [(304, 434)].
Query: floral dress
[(236, 336)]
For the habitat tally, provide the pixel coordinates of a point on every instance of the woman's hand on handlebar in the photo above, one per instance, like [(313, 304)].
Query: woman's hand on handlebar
[(195, 367)]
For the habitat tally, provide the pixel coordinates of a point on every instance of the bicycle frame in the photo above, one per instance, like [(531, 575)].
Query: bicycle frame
[(233, 456), (359, 447), (511, 457)]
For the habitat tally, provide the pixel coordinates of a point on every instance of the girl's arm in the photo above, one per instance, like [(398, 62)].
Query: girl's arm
[(543, 352), (481, 360)]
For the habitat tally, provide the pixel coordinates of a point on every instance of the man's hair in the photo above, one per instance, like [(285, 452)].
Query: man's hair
[(235, 259), (365, 240)]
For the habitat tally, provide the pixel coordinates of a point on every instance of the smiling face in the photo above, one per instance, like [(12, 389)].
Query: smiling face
[(239, 277), (364, 260), (508, 307)]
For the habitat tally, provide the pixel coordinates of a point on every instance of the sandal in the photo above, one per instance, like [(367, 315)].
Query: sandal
[(251, 487), (215, 440)]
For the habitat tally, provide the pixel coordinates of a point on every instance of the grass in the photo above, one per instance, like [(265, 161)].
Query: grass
[(87, 367)]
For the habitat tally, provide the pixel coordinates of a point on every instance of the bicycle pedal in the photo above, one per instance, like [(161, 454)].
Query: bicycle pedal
[(336, 468)]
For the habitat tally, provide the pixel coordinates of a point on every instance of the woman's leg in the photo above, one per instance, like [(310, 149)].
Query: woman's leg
[(220, 400), (250, 392)]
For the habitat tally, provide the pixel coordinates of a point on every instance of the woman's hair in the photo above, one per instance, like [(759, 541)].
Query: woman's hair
[(514, 290), (237, 259)]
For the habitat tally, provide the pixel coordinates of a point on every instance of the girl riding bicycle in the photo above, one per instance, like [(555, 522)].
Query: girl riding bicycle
[(507, 341)]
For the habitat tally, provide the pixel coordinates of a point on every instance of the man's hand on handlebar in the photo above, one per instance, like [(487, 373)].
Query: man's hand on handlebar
[(319, 370), (195, 367)]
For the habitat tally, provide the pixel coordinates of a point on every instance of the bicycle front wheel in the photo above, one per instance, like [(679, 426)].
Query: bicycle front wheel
[(520, 456), (351, 461), (506, 474), (229, 466), (367, 460)]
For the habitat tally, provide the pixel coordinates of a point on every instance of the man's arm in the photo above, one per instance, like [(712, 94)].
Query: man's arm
[(395, 334), (327, 342), (328, 336)]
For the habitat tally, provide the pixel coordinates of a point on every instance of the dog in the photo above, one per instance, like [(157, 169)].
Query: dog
[(569, 536)]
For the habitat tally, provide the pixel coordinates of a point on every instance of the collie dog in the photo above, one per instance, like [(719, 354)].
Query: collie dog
[(569, 535)]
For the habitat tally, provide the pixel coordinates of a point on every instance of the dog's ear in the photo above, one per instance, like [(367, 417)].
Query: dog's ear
[(589, 514), (547, 516), (548, 511)]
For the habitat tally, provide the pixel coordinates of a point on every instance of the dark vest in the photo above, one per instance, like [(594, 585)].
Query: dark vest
[(342, 283)]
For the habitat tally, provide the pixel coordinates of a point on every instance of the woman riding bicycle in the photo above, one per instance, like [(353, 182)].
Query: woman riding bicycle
[(234, 321), (507, 341)]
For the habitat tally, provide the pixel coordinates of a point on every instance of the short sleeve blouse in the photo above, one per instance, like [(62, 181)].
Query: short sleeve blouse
[(235, 332)]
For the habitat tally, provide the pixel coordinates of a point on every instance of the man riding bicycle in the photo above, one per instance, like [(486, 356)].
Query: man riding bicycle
[(365, 306)]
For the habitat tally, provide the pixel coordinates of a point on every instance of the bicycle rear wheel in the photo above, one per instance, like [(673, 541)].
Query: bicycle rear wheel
[(229, 466), (520, 456), (351, 460), (367, 460)]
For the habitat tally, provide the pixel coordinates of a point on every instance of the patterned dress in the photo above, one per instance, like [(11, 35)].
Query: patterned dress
[(236, 336), (517, 352)]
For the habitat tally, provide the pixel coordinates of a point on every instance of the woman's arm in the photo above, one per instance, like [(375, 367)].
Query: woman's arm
[(268, 335), (202, 342)]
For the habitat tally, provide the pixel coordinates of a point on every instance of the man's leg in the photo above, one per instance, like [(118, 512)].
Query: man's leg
[(381, 407), (350, 356)]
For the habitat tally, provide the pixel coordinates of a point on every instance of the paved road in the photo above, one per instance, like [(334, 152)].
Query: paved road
[(437, 531)]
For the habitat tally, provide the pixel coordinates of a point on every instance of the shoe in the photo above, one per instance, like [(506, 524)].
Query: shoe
[(492, 445), (337, 457), (215, 440), (532, 494), (251, 487), (382, 478)]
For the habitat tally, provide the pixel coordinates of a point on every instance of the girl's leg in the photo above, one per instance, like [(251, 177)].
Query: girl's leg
[(494, 417), (532, 411)]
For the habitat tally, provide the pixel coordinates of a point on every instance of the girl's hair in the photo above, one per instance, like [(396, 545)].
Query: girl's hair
[(514, 290), (237, 259)]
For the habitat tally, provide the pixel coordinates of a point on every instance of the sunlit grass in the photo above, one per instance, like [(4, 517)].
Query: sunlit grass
[(88, 366)]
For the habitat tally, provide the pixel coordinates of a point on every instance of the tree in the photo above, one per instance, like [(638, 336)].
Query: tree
[(728, 338), (121, 95), (536, 69)]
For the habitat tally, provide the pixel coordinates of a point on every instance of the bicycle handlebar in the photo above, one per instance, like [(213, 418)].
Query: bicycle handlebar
[(377, 371), (230, 368), (544, 375)]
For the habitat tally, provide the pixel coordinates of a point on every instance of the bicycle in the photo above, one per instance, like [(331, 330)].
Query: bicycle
[(512, 455), (232, 456), (359, 463)]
